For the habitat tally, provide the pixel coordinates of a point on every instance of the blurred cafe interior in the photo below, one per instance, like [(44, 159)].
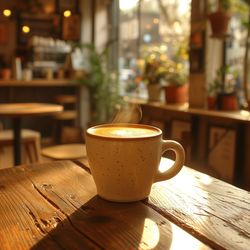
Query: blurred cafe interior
[(182, 66)]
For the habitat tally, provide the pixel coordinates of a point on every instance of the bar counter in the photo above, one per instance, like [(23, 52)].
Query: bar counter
[(44, 90), (238, 115), (202, 121)]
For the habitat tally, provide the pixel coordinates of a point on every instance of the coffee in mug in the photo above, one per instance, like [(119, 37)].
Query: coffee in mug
[(124, 159)]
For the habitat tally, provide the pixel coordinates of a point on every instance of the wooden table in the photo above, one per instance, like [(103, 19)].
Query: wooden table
[(54, 206), (45, 90), (16, 111), (38, 82)]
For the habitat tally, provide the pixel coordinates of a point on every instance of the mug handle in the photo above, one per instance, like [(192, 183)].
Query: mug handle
[(178, 164)]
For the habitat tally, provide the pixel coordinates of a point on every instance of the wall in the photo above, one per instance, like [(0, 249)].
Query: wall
[(41, 94), (85, 9), (8, 49), (101, 24), (197, 53)]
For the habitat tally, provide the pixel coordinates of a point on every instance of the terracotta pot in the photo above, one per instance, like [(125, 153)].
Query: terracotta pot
[(176, 94), (219, 21), (212, 102), (6, 74), (154, 92), (228, 102)]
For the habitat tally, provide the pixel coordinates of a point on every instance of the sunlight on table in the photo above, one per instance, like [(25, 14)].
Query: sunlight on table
[(165, 164), (180, 239), (183, 240), (150, 235)]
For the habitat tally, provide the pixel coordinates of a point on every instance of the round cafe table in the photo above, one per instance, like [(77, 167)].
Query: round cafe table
[(16, 111)]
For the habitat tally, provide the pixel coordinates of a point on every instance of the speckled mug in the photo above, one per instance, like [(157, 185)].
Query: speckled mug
[(124, 160)]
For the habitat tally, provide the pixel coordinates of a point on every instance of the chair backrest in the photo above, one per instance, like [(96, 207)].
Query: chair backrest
[(72, 135), (67, 101), (31, 143), (65, 118), (63, 99)]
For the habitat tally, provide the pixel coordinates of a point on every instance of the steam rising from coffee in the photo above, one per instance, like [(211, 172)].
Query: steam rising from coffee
[(128, 113)]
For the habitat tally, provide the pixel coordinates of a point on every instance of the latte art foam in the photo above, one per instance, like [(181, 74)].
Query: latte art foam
[(123, 132)]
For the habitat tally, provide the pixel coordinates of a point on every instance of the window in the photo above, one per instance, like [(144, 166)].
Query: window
[(147, 28)]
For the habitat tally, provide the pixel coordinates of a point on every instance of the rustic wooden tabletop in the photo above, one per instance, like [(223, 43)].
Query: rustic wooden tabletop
[(54, 206), (28, 109)]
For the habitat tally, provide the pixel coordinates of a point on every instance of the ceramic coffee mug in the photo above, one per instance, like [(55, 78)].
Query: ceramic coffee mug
[(124, 159)]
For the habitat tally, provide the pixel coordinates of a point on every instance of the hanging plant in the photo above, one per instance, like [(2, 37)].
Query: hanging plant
[(220, 18)]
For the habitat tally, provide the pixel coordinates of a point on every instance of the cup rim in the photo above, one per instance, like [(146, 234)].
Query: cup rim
[(134, 125)]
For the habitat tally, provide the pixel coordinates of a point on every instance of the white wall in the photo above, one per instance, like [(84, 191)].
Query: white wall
[(101, 24), (85, 9)]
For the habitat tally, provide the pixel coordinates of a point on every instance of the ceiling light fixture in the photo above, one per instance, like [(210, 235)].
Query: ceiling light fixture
[(26, 29), (67, 13), (7, 12)]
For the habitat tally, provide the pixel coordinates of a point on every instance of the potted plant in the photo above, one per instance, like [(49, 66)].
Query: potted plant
[(213, 89), (154, 74), (224, 89), (101, 83), (176, 91), (219, 19), (6, 73), (176, 85), (5, 70)]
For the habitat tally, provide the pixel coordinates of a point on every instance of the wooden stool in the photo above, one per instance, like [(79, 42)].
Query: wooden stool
[(30, 142), (65, 152), (67, 117)]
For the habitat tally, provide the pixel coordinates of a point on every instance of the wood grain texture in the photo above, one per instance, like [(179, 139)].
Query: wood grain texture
[(239, 115), (54, 206), (38, 83), (213, 211), (28, 109), (65, 151)]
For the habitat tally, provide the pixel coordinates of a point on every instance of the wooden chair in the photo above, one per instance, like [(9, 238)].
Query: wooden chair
[(30, 143), (73, 146), (65, 118), (72, 135), (65, 152)]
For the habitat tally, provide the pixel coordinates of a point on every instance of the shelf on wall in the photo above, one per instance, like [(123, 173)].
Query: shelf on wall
[(40, 25)]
